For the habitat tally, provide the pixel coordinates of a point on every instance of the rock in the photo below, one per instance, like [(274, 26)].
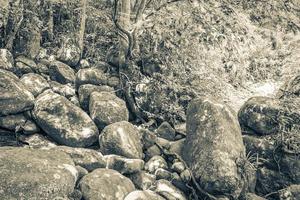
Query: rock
[(11, 122), (15, 97), (168, 191), (266, 115), (64, 122), (186, 176), (269, 181), (290, 88), (91, 75), (152, 151), (83, 64), (154, 163), (142, 180), (74, 100), (86, 90), (106, 108), (8, 138), (75, 195), (64, 90), (81, 172), (148, 138), (113, 81), (290, 193), (35, 174), (166, 131), (143, 195), (178, 167), (61, 72), (166, 144), (25, 65), (105, 184), (6, 60), (214, 146), (86, 158), (38, 141), (124, 165), (252, 196), (121, 138), (69, 52), (34, 83), (177, 146), (161, 173), (30, 127)]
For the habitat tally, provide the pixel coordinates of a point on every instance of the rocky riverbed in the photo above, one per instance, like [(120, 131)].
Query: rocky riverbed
[(65, 133)]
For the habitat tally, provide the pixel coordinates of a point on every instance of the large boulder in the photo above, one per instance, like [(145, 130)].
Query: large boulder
[(69, 52), (86, 90), (266, 115), (66, 123), (15, 97), (61, 72), (6, 60), (105, 184), (35, 174), (121, 138), (35, 83), (87, 158), (168, 190), (214, 146), (124, 165), (91, 75), (106, 108)]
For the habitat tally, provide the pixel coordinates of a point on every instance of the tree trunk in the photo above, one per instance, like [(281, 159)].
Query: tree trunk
[(82, 25), (124, 21)]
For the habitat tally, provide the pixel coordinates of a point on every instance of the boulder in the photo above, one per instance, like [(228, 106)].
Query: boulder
[(124, 165), (36, 174), (106, 108), (37, 141), (290, 193), (177, 146), (64, 90), (6, 60), (87, 158), (61, 72), (66, 123), (154, 163), (168, 191), (11, 122), (266, 115), (214, 147), (143, 195), (121, 138), (152, 151), (15, 97), (35, 83), (86, 90), (178, 167), (91, 75), (24, 65), (142, 180), (161, 173), (69, 52), (148, 137), (105, 184), (166, 131)]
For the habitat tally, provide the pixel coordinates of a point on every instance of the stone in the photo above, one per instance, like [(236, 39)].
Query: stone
[(81, 171), (292, 192), (6, 60), (84, 64), (91, 75), (214, 147), (177, 146), (142, 180), (25, 65), (86, 158), (106, 108), (266, 115), (30, 127), (105, 184), (35, 83), (252, 196), (65, 123), (61, 72), (124, 165), (154, 163), (152, 151), (178, 167), (165, 189), (74, 100), (166, 131), (69, 52), (11, 122), (121, 138), (64, 90), (35, 174), (38, 141), (166, 144), (15, 97), (86, 90), (148, 137), (161, 173), (143, 195), (186, 176)]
